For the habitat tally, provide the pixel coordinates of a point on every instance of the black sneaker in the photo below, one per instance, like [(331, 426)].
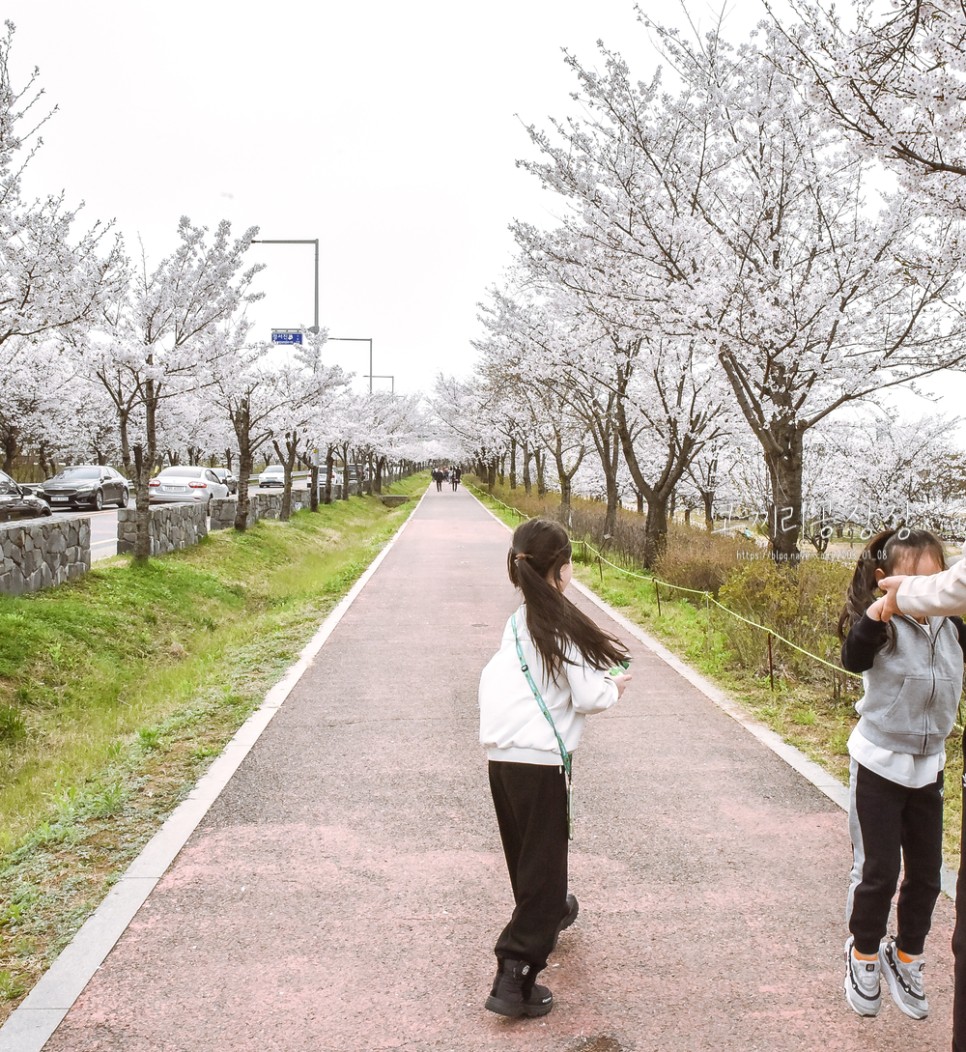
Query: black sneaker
[(515, 994)]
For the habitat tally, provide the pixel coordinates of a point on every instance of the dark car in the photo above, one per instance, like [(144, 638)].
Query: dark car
[(227, 479), (86, 486), (17, 503)]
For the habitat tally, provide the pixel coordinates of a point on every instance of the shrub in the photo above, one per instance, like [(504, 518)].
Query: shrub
[(697, 559), (801, 603)]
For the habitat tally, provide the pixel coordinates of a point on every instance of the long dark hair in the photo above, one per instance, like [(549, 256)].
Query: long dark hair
[(540, 548), (882, 553)]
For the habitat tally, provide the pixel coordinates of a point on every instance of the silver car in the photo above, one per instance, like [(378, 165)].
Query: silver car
[(186, 484)]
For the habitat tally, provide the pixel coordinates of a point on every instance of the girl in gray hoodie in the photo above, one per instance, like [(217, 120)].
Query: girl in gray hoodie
[(912, 671)]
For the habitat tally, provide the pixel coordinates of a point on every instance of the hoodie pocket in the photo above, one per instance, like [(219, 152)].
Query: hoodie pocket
[(905, 713)]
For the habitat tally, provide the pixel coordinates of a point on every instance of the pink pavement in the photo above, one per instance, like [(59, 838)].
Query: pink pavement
[(344, 891)]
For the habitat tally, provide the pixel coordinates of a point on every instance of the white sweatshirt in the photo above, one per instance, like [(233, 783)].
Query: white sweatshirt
[(512, 726)]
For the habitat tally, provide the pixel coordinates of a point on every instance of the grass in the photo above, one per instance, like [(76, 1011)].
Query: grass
[(808, 715), (118, 689)]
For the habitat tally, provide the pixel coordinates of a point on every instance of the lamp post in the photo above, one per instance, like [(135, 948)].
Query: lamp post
[(358, 339), (301, 241)]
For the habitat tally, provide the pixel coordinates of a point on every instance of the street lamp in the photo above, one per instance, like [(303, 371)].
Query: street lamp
[(302, 241), (358, 339)]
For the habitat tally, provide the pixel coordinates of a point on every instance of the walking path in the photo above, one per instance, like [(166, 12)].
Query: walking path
[(344, 890)]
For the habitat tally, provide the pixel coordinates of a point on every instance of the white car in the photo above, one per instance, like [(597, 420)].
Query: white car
[(186, 484), (273, 475)]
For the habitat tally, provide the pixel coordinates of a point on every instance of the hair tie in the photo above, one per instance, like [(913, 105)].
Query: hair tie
[(521, 555)]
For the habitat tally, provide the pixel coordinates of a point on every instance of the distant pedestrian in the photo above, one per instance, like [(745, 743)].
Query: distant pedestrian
[(936, 595), (438, 479), (550, 672), (456, 474), (912, 672)]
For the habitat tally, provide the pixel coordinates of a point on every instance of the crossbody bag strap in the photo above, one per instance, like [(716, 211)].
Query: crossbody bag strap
[(564, 754)]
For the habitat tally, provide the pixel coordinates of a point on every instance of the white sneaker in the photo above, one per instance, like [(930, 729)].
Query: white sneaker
[(905, 980), (862, 989)]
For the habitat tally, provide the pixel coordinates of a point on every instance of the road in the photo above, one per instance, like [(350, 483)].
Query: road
[(104, 524)]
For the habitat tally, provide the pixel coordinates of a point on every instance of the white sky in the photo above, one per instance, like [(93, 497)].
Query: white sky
[(387, 130)]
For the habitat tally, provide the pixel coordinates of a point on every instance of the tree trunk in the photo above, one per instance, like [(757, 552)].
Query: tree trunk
[(314, 485), (707, 498), (246, 465), (288, 460), (144, 459), (345, 470), (540, 459), (329, 468), (241, 421), (513, 463), (11, 447), (123, 420), (655, 529), (527, 481), (784, 459)]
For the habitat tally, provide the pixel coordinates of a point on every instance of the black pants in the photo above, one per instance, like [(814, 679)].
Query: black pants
[(888, 822), (959, 938), (531, 811)]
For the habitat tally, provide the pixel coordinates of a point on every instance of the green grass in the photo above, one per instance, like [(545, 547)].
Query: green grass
[(805, 714), (118, 689)]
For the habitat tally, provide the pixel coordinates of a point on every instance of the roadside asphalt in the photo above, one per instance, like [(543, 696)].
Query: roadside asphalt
[(344, 883)]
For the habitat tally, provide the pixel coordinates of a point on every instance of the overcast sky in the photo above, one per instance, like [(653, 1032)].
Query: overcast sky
[(389, 131)]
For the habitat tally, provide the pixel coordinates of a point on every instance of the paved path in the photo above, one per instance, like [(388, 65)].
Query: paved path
[(344, 891)]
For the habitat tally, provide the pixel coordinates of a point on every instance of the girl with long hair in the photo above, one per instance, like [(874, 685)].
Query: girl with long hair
[(554, 667), (912, 671)]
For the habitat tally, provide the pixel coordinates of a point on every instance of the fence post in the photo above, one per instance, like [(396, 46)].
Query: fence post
[(657, 592), (771, 663)]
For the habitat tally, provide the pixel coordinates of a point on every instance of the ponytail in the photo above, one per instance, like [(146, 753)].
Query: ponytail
[(539, 550)]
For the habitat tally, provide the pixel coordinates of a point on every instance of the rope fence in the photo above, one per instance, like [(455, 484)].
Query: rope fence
[(709, 599)]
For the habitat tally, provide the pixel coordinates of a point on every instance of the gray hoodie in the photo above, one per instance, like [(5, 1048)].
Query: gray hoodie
[(912, 691)]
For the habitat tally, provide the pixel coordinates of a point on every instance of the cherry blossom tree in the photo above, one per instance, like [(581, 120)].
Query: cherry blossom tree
[(895, 81), (811, 289), (166, 339)]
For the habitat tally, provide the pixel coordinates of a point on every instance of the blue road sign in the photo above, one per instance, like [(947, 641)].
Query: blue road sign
[(286, 336)]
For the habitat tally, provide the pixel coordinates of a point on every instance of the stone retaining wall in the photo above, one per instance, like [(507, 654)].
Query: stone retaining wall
[(38, 553), (261, 505), (171, 526)]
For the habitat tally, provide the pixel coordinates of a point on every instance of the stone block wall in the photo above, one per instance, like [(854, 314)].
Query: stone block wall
[(172, 526), (223, 513), (267, 505), (38, 553)]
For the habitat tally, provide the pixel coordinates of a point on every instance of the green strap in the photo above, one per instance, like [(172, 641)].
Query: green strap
[(564, 755)]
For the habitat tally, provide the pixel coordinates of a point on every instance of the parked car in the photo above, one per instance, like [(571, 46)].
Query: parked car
[(17, 503), (86, 486), (273, 475), (226, 477), (184, 484)]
